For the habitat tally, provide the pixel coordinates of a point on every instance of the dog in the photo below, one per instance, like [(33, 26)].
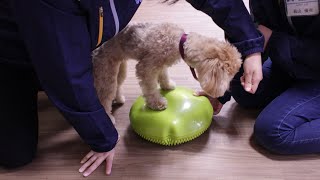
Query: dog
[(157, 47)]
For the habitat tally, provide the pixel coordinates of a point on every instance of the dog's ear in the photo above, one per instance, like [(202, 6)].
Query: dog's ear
[(214, 78), (232, 59), (232, 68)]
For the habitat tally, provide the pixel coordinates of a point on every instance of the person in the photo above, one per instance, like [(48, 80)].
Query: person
[(48, 43), (289, 93), (51, 41)]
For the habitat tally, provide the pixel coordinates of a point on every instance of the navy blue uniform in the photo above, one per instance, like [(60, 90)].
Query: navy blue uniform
[(55, 39)]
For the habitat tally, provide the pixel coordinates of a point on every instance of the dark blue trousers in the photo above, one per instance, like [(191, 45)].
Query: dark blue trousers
[(18, 115), (290, 120)]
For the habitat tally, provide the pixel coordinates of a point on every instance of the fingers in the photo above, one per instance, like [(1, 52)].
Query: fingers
[(248, 81), (216, 105), (85, 159), (94, 166), (88, 163), (109, 162), (252, 84), (255, 81), (252, 72), (93, 160), (242, 80)]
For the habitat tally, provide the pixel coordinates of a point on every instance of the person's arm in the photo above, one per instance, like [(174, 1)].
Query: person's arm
[(233, 17), (58, 43)]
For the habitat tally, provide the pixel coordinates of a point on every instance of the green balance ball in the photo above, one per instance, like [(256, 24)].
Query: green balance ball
[(186, 117)]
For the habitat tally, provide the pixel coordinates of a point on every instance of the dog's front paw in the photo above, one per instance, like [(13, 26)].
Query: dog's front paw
[(157, 104), (171, 85), (119, 100)]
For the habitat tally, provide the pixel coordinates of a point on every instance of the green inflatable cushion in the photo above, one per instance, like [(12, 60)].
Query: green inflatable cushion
[(186, 117)]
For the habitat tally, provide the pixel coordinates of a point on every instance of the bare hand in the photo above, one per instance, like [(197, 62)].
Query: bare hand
[(93, 160), (252, 73), (266, 32), (215, 103)]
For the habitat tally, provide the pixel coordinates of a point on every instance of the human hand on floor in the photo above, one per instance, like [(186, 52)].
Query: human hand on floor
[(93, 160), (266, 32), (252, 74), (215, 103)]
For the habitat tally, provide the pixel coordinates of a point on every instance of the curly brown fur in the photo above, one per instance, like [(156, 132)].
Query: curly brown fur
[(156, 47)]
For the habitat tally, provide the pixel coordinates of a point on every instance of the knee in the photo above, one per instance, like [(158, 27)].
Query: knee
[(17, 164), (16, 161), (242, 97), (245, 101), (15, 158), (268, 135)]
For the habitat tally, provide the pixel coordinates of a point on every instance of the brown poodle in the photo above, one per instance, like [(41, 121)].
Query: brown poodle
[(156, 47)]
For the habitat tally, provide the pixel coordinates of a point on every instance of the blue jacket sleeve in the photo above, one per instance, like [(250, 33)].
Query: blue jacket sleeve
[(233, 17), (287, 50), (58, 43)]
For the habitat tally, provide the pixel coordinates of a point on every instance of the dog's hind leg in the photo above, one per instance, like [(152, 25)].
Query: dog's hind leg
[(164, 80), (120, 98), (105, 78), (148, 77)]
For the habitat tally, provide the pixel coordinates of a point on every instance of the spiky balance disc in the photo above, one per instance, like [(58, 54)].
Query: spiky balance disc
[(186, 117)]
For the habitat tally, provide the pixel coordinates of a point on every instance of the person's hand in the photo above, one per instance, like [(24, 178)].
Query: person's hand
[(215, 103), (266, 32), (252, 75), (93, 160)]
